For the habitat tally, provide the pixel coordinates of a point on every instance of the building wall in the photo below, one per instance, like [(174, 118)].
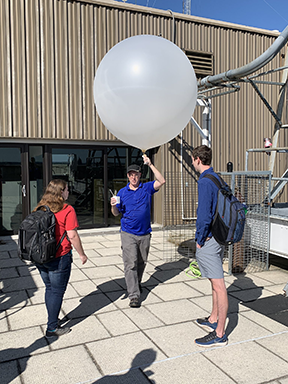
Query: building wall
[(50, 51)]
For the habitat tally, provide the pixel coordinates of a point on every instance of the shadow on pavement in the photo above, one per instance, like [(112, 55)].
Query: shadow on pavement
[(136, 373), (112, 290)]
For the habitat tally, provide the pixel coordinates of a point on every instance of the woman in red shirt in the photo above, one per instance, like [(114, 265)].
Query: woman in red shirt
[(56, 273)]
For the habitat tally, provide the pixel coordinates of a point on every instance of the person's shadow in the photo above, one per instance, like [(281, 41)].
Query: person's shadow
[(140, 362), (244, 291), (112, 290), (6, 355)]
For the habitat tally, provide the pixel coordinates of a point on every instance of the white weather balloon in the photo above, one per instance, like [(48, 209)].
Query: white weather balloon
[(145, 91)]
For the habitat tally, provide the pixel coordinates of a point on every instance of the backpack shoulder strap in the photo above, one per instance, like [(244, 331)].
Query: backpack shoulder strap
[(215, 180)]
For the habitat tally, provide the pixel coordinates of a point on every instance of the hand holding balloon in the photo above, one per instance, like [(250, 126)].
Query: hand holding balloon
[(145, 91), (146, 160)]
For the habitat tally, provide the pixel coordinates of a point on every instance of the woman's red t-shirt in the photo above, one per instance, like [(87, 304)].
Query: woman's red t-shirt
[(66, 220)]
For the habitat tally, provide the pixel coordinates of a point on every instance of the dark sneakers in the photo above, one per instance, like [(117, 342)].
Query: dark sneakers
[(59, 331), (212, 340), (134, 303), (205, 323)]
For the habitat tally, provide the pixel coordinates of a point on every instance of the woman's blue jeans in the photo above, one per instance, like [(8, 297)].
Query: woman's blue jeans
[(55, 276)]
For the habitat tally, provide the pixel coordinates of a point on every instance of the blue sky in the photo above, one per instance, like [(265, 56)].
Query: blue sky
[(266, 14)]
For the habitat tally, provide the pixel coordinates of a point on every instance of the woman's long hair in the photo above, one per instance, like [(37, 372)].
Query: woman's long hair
[(53, 195)]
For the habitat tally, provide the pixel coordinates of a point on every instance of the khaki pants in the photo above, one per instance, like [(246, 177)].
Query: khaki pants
[(135, 251)]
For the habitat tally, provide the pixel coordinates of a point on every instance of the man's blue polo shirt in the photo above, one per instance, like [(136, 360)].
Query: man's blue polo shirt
[(135, 207), (207, 202)]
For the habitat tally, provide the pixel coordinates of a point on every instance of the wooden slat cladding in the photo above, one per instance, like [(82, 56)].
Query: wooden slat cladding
[(50, 51)]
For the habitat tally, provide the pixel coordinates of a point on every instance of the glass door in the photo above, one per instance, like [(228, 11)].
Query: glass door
[(35, 174), (10, 190), (83, 170)]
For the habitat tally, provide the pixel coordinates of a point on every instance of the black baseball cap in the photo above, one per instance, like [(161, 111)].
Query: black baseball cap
[(134, 167)]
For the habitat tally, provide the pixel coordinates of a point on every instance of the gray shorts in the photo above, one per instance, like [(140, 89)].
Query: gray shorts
[(210, 258)]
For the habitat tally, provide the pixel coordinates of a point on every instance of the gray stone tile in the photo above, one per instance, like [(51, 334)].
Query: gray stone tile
[(110, 251), (4, 254), (107, 271), (8, 245), (73, 364), (111, 243), (132, 376), (253, 294), (15, 299), (27, 317), (202, 285), (77, 263), (143, 318), (270, 324), (112, 237), (110, 285), (21, 343), (240, 328), (83, 330), (107, 260), (176, 311), (8, 273), (128, 350), (188, 369), (117, 323), (88, 305), (174, 276), (274, 276), (19, 283), (245, 367), (277, 289), (119, 299), (9, 373), (176, 339), (174, 291), (27, 270), (11, 262), (3, 323), (277, 344), (84, 287), (77, 275)]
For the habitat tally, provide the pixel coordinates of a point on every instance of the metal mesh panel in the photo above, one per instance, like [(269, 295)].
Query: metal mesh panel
[(179, 218), (180, 206)]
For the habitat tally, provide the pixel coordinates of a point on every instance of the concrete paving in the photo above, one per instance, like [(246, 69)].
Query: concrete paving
[(113, 343)]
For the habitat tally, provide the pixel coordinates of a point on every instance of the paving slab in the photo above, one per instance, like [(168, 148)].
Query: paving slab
[(133, 376), (265, 321), (83, 330), (191, 369), (125, 350), (26, 317), (9, 373), (172, 291), (22, 343), (117, 323), (248, 362), (153, 343), (177, 339), (16, 299), (143, 318), (64, 366), (176, 311)]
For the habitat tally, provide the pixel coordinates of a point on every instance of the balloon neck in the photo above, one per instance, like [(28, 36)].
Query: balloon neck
[(143, 151)]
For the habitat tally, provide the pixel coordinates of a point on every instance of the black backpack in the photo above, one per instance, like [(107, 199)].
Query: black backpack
[(36, 236), (229, 220)]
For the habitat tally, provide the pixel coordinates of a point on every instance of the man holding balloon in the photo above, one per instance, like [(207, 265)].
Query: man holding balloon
[(134, 203)]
